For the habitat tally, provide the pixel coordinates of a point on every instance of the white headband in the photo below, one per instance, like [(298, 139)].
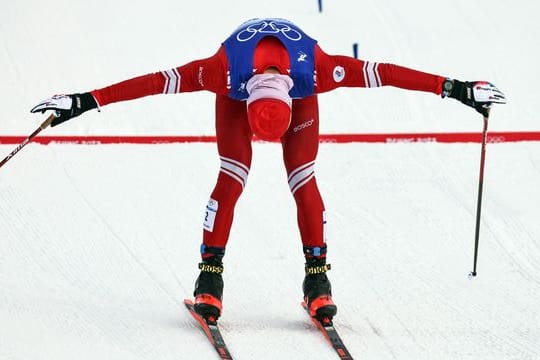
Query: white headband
[(273, 86)]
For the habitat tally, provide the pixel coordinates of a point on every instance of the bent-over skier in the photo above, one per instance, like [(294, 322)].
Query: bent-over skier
[(266, 76)]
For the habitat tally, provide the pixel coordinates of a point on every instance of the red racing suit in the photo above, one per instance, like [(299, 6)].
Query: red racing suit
[(234, 136)]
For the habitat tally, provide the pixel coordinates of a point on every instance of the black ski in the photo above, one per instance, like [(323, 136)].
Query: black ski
[(330, 333), (212, 332)]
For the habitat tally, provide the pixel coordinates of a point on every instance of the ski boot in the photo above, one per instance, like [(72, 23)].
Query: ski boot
[(317, 290), (209, 289)]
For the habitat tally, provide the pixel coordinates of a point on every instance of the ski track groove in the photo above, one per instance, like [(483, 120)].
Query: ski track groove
[(126, 247)]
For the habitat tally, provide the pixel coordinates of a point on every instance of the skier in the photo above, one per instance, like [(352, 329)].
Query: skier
[(266, 76)]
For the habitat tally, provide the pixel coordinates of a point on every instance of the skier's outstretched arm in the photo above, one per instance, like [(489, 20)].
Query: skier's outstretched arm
[(335, 71), (204, 74)]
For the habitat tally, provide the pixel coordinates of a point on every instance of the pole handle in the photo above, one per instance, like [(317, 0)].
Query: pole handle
[(48, 121)]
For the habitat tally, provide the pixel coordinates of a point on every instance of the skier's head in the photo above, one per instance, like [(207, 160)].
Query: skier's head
[(269, 105)]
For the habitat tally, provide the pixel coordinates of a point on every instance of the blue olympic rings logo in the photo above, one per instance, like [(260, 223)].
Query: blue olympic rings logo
[(268, 27)]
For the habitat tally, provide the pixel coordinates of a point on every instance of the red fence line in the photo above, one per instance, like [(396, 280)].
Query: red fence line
[(328, 138)]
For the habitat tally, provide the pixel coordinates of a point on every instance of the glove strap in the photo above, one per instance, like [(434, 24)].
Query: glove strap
[(83, 102)]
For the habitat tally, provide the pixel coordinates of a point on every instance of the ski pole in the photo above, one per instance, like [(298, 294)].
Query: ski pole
[(43, 126), (479, 201)]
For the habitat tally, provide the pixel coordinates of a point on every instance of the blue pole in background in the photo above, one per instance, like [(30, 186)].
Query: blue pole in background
[(320, 5), (355, 50)]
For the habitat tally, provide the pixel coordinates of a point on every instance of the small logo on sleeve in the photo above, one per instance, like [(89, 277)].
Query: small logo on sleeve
[(200, 76), (339, 73)]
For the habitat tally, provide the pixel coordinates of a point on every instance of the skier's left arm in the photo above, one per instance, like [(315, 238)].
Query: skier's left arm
[(335, 71)]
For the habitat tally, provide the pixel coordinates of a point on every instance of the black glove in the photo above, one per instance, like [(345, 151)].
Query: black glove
[(66, 106), (477, 94)]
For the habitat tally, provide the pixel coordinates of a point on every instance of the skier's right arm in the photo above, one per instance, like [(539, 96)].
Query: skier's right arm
[(204, 74)]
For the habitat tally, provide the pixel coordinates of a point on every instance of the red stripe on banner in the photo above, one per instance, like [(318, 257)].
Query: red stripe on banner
[(493, 137)]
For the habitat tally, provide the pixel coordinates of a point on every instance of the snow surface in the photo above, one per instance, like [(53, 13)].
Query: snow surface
[(99, 244)]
